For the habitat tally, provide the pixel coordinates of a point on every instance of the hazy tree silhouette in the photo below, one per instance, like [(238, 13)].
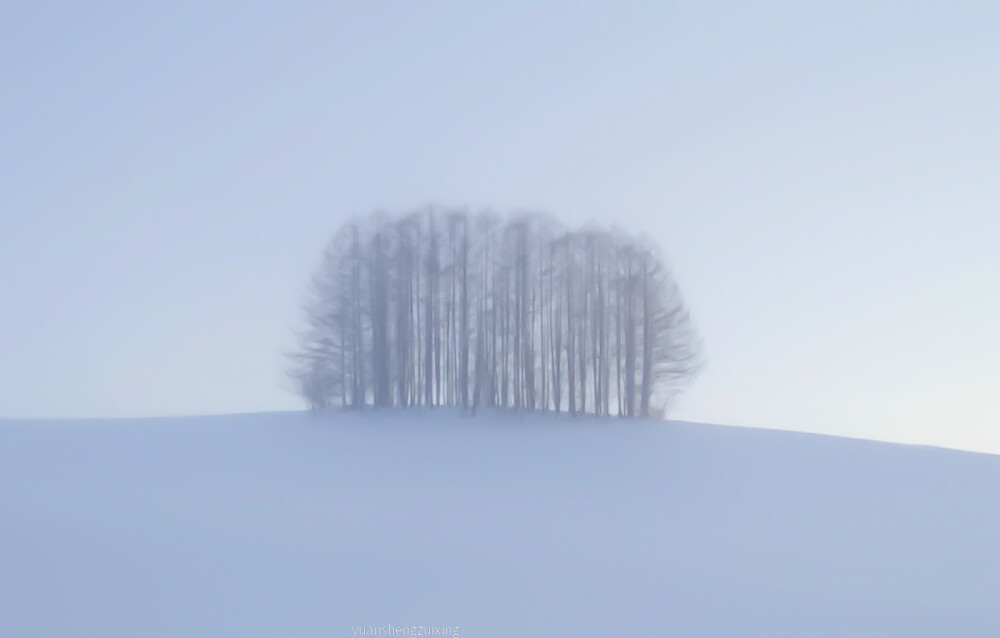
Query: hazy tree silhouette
[(474, 310)]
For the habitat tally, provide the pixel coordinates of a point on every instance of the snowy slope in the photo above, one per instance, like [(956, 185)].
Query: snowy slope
[(299, 526)]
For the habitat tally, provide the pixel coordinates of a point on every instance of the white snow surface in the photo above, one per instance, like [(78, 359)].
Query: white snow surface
[(287, 524)]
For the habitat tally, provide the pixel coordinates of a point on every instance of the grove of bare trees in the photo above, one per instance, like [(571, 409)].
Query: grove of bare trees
[(475, 310)]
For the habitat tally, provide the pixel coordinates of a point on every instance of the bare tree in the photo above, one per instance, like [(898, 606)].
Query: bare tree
[(476, 311)]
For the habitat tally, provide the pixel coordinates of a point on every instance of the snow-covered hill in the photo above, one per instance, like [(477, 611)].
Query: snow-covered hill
[(291, 525)]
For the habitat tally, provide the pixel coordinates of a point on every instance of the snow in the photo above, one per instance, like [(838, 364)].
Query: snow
[(286, 524)]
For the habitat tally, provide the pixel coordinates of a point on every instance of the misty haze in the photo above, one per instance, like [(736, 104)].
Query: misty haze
[(499, 319)]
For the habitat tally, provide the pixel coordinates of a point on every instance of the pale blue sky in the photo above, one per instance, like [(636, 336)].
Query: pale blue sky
[(823, 179)]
